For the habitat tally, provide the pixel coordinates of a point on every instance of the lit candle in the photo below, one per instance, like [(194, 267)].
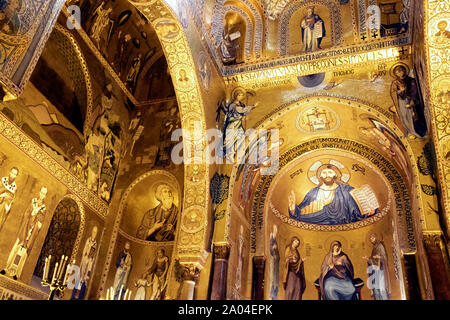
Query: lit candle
[(107, 294), (112, 293), (63, 268), (48, 267), (125, 295), (67, 275), (120, 292), (54, 272), (129, 295), (58, 274), (45, 269)]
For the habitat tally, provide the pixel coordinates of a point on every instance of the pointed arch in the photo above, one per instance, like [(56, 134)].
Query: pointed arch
[(190, 246)]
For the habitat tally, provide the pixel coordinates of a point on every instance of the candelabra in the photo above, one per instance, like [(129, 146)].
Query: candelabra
[(56, 283), (110, 294)]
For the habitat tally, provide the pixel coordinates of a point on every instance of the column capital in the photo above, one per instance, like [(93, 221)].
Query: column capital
[(433, 240), (191, 271), (221, 251)]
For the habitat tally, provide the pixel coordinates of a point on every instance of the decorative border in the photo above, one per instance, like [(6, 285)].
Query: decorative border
[(322, 97), (320, 61), (438, 66), (20, 290)]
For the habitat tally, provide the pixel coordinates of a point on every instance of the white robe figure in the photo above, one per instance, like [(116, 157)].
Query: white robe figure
[(101, 22)]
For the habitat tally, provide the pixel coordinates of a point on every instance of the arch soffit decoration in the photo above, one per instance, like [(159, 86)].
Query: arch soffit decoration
[(84, 69), (249, 28), (190, 245), (293, 7), (419, 222)]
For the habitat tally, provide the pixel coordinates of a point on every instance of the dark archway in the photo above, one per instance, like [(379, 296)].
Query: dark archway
[(61, 235)]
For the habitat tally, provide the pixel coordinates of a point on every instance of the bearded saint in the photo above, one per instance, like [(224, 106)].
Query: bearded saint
[(158, 224)]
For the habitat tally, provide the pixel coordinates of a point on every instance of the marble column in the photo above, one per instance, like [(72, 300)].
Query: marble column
[(220, 270), (258, 278), (438, 263), (411, 278), (190, 278)]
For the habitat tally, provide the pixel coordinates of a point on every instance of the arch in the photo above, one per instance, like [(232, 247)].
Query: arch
[(409, 225), (385, 222), (78, 67), (249, 28), (270, 119), (285, 20), (219, 16), (190, 245), (65, 221)]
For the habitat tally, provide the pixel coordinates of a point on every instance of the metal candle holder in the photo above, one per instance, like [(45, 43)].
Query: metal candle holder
[(56, 283)]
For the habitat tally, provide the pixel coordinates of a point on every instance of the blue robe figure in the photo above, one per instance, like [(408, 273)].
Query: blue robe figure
[(342, 209), (124, 264), (337, 274), (275, 266), (313, 31)]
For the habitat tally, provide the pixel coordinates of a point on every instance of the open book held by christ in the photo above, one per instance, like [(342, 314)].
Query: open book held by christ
[(365, 199)]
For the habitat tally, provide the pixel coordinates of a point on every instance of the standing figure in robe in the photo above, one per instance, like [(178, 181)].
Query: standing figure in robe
[(404, 15), (101, 21), (313, 31), (134, 72), (294, 281), (409, 109), (30, 226), (86, 265), (159, 272), (378, 270), (8, 190), (141, 284), (228, 48), (124, 264), (159, 223), (274, 263), (124, 47), (330, 203), (336, 278), (233, 128)]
